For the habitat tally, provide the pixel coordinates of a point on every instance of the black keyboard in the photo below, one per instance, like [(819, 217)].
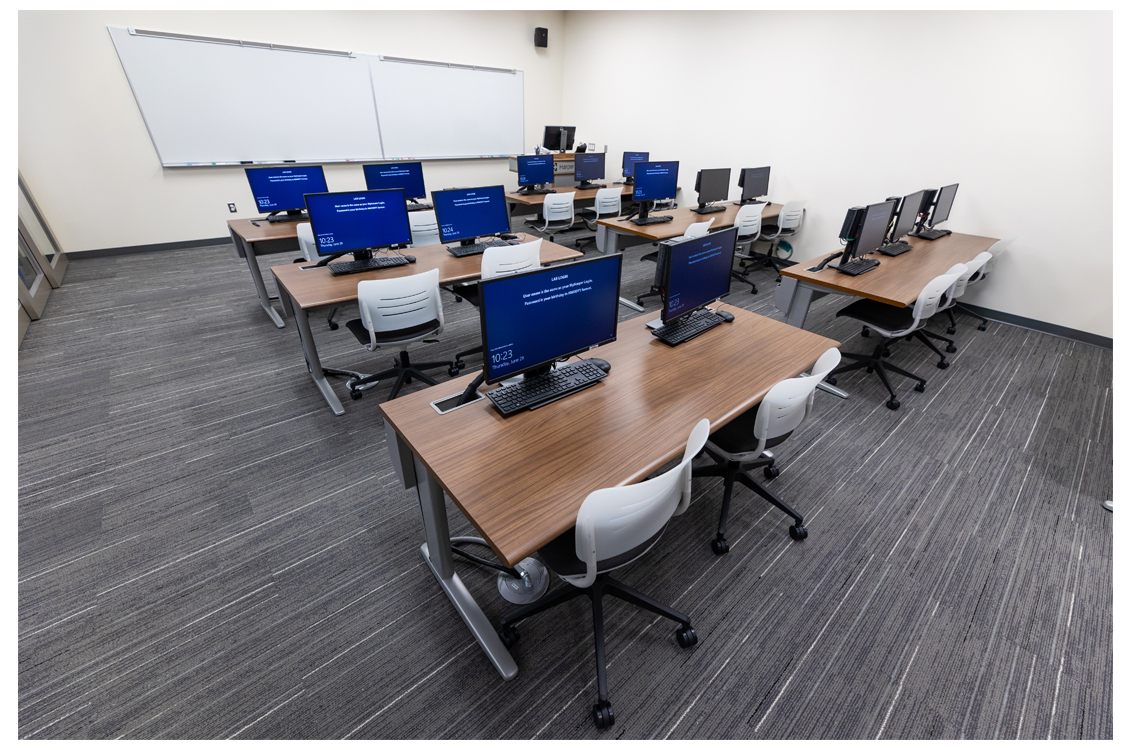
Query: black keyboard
[(462, 251), (591, 187), (932, 234), (535, 391), (420, 206), (536, 191), (895, 248), (652, 220), (357, 266), (686, 328), (857, 266)]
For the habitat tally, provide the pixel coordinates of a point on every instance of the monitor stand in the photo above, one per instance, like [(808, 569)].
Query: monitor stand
[(626, 181), (708, 208), (535, 190), (291, 215), (643, 219), (357, 255), (586, 185), (750, 202)]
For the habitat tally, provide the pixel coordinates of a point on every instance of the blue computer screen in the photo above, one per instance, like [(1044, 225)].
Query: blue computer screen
[(470, 212), (588, 167), (534, 170), (698, 272), (282, 188), (631, 159), (532, 319), (408, 176), (656, 180), (342, 222)]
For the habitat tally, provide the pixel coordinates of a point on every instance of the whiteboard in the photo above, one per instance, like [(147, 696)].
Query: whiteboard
[(430, 110)]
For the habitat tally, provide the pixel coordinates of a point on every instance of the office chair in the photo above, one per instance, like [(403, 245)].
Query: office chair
[(557, 214), (996, 251), (615, 527), (789, 222), (425, 229), (748, 222), (892, 322), (607, 203), (309, 250), (701, 229), (744, 443), (498, 261), (396, 312), (956, 291)]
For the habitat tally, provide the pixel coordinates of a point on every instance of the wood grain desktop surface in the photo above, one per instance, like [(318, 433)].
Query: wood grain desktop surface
[(283, 230), (520, 480), (537, 200), (315, 287), (899, 280), (684, 217)]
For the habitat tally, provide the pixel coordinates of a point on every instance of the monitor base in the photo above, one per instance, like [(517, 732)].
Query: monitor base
[(708, 209)]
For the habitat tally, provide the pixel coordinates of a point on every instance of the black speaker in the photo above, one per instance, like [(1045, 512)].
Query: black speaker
[(541, 37), (852, 223)]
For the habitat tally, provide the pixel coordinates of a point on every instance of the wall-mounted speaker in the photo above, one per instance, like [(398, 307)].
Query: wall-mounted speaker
[(541, 37)]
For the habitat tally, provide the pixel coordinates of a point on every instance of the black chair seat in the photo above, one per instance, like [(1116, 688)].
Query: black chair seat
[(560, 555), (879, 315), (389, 337), (737, 435)]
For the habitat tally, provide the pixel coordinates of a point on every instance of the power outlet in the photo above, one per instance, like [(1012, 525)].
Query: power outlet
[(231, 207)]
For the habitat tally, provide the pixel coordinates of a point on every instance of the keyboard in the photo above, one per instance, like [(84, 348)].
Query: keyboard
[(857, 266), (462, 251), (686, 328), (591, 187), (357, 266), (536, 191), (535, 391), (420, 206), (933, 234), (652, 220), (895, 248)]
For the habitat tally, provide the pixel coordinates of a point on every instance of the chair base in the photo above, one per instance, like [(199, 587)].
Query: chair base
[(741, 277), (764, 260), (403, 369), (459, 363), (655, 292), (736, 471), (874, 363), (964, 311), (603, 716)]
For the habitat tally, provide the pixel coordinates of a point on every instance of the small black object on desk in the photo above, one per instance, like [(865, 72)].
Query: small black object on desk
[(604, 364), (726, 316)]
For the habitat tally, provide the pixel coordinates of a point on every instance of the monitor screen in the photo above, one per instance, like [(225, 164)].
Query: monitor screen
[(470, 212), (552, 138), (944, 204), (530, 320), (534, 170), (875, 224), (360, 220), (712, 185), (908, 214), (698, 272), (282, 188), (754, 182), (587, 167), (631, 159), (656, 180), (406, 175)]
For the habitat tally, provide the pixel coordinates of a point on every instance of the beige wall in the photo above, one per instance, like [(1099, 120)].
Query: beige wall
[(849, 108), (87, 157)]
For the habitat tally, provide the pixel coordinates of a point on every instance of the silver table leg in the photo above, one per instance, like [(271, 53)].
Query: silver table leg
[(437, 552), (311, 353), (607, 241), (248, 253)]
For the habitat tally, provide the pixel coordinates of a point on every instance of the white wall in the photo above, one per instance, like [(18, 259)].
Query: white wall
[(851, 107), (87, 157)]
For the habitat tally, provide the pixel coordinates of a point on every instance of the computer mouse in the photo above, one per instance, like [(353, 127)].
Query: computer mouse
[(602, 364), (410, 258), (728, 317), (513, 242)]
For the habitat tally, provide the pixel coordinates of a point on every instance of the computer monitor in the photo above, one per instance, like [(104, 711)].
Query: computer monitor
[(697, 273), (555, 134), (754, 182), (943, 204), (281, 188), (588, 167), (656, 180), (908, 215), (406, 175), (466, 213), (712, 185), (873, 228), (531, 320), (358, 222), (631, 159), (535, 170)]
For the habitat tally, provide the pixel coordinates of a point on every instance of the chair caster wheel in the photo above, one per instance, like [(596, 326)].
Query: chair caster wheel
[(719, 546), (509, 635), (356, 395), (460, 364), (686, 636), (639, 301), (458, 298), (886, 352), (951, 349), (772, 472), (920, 387), (753, 289), (602, 715), (830, 380), (943, 365), (982, 327), (333, 326), (893, 404), (798, 532), (453, 371), (951, 330), (869, 370), (865, 333)]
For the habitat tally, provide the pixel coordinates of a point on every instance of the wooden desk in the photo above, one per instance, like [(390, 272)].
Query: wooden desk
[(616, 231), (521, 480), (261, 238), (580, 195), (897, 281), (301, 290)]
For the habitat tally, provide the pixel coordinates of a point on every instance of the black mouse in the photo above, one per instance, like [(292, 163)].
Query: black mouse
[(728, 317), (602, 364), (412, 259)]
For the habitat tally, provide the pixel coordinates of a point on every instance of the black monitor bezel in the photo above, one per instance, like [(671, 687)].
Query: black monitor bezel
[(519, 159), (895, 235), (698, 182), (624, 162), (247, 173), (439, 222), (855, 251), (666, 277), (603, 166), (570, 137), (666, 197), (747, 193), (418, 164), (314, 228), (556, 268), (937, 197)]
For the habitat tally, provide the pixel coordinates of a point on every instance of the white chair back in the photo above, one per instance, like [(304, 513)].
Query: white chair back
[(619, 519), (748, 221), (558, 208), (391, 305), (701, 229), (792, 216), (607, 202), (958, 287), (933, 293), (788, 403), (306, 242), (425, 228), (997, 250), (511, 259)]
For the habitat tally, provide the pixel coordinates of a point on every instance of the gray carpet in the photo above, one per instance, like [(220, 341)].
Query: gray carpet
[(205, 551)]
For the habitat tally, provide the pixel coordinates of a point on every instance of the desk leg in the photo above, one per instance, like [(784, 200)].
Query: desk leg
[(311, 353), (437, 552), (248, 253), (607, 243), (802, 298)]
